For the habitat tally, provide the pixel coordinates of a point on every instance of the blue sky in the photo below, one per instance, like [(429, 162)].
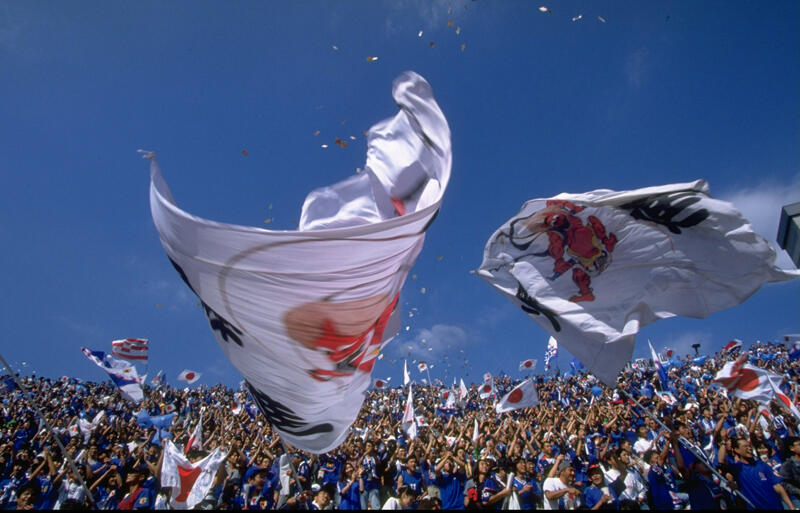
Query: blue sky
[(538, 104)]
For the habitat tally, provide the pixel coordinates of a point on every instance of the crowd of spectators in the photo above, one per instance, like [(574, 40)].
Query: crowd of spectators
[(580, 448)]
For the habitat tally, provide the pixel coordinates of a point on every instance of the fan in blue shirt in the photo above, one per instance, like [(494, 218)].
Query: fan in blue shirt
[(755, 478)]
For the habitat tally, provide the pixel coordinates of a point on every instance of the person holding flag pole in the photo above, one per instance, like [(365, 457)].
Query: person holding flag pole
[(693, 449), (50, 430)]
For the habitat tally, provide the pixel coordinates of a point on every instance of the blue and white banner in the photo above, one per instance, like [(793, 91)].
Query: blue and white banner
[(123, 374)]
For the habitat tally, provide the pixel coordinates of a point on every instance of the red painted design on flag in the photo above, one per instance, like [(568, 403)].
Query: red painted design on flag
[(528, 363), (188, 477), (487, 388), (515, 396), (348, 352), (189, 376)]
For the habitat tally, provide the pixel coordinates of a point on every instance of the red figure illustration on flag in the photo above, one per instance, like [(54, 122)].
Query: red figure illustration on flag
[(583, 247), (349, 333)]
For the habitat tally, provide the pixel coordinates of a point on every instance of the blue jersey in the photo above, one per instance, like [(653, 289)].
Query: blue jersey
[(451, 489), (351, 499), (756, 481)]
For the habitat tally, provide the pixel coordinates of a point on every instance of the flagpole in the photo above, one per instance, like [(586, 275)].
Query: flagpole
[(51, 430), (428, 370), (692, 448)]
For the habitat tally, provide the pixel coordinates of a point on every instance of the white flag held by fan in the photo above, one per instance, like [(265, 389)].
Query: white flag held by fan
[(593, 268), (303, 314), (409, 422), (189, 481), (523, 395)]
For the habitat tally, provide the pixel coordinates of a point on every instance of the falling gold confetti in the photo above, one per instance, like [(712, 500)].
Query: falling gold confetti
[(450, 23), (267, 220), (358, 170)]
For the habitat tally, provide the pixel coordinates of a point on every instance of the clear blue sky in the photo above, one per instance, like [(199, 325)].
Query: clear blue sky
[(538, 104)]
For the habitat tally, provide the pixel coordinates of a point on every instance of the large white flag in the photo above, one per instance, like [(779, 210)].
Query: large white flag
[(523, 395), (745, 381), (196, 438), (409, 422), (189, 481), (406, 375), (304, 314), (462, 390), (594, 268)]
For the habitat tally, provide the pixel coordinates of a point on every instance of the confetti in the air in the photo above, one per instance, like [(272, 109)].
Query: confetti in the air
[(335, 47), (323, 146), (463, 47), (576, 18), (430, 349), (408, 328), (316, 133), (244, 152), (543, 9), (458, 30), (422, 290), (413, 276), (411, 314), (431, 44), (450, 23), (352, 137), (267, 220), (380, 356), (270, 206), (419, 34), (371, 58), (358, 170), (601, 19), (440, 257), (158, 305)]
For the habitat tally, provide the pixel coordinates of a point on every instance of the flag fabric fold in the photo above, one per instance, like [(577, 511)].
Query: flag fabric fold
[(406, 375), (594, 268), (409, 421), (462, 390), (196, 438), (523, 395), (303, 314)]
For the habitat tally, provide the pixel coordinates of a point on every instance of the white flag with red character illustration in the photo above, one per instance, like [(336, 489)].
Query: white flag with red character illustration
[(304, 314), (593, 268), (523, 395)]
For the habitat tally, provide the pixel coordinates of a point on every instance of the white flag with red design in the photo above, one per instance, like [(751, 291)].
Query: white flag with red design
[(422, 366), (196, 439), (745, 381), (303, 314), (475, 432), (190, 482), (486, 390), (189, 376), (134, 349), (527, 365), (487, 377), (523, 395), (380, 384), (592, 269)]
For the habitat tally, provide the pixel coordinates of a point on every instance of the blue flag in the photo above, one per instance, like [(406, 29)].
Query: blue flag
[(662, 374), (576, 365), (700, 360)]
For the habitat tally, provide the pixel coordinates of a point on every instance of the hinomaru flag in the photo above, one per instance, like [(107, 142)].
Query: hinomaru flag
[(523, 395), (304, 314), (594, 268)]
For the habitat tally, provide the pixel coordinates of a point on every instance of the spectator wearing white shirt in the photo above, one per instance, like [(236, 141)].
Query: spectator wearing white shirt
[(558, 490)]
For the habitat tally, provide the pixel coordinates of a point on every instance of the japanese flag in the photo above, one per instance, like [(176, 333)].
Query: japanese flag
[(196, 439), (527, 365), (487, 377), (380, 384), (462, 390), (189, 376), (422, 366), (745, 381), (522, 396), (486, 390)]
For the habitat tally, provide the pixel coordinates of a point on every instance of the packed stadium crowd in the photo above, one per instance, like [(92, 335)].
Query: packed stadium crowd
[(584, 446)]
